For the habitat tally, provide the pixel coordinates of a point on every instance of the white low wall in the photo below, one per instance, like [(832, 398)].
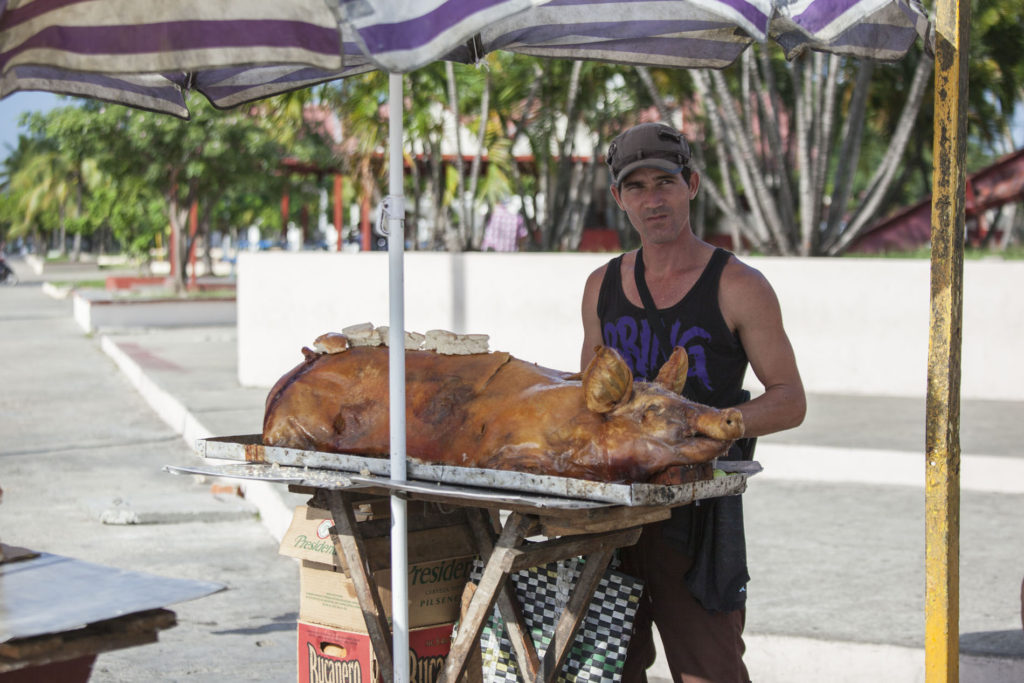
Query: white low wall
[(857, 325), (102, 313)]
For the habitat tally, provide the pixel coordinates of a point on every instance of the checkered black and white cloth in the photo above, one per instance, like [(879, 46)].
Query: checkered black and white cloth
[(599, 650)]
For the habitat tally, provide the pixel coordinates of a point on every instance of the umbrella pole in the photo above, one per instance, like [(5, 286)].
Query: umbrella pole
[(394, 207)]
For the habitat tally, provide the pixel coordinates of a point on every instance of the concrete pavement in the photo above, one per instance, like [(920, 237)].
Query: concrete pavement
[(78, 446), (835, 522)]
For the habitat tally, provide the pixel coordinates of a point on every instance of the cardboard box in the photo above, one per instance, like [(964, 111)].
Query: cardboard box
[(440, 560), (309, 538), (327, 596), (332, 655)]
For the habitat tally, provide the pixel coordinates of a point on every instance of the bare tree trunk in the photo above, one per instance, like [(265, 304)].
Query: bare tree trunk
[(567, 216), (825, 123), (542, 207), (849, 152), (801, 79), (476, 230), (721, 106), (518, 126), (62, 232), (739, 226), (772, 126), (562, 187), (417, 197), (76, 242), (882, 178), (753, 178), (1012, 227), (177, 218), (815, 114), (453, 108), (699, 207), (207, 245), (652, 90), (203, 232), (1008, 212), (436, 188)]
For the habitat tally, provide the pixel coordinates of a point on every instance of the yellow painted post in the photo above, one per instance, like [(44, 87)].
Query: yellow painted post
[(942, 487)]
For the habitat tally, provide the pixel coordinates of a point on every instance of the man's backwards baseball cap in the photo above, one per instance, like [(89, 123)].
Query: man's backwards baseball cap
[(648, 145)]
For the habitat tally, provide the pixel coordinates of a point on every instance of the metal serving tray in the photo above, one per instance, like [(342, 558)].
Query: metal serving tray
[(335, 480), (334, 470)]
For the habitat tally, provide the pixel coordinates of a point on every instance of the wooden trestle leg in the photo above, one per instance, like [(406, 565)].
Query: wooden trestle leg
[(348, 543), (511, 554)]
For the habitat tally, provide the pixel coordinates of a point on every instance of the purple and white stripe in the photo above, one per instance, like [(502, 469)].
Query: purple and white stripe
[(653, 32), (403, 35), (146, 36), (226, 88), (145, 53), (877, 29), (705, 33), (152, 92)]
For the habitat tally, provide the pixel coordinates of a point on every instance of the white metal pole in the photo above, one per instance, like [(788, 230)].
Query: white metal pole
[(396, 362)]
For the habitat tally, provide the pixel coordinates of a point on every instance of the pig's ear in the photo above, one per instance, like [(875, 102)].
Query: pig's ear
[(672, 375), (607, 381)]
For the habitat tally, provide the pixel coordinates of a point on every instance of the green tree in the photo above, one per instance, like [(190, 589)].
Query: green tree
[(54, 175), (194, 163), (14, 190)]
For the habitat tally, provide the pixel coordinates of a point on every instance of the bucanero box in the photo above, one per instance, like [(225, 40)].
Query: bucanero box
[(328, 655)]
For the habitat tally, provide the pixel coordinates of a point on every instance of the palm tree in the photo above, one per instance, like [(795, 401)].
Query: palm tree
[(46, 182)]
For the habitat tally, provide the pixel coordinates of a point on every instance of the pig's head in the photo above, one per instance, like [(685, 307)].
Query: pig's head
[(653, 418)]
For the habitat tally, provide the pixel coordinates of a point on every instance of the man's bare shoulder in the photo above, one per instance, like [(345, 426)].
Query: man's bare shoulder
[(598, 272), (743, 277), (745, 294)]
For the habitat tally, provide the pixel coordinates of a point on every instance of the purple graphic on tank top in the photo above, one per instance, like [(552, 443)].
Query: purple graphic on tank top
[(640, 348)]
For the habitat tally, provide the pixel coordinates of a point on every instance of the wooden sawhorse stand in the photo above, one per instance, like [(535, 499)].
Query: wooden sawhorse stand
[(593, 533)]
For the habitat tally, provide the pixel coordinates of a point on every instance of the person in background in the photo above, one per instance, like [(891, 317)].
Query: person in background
[(677, 290), (505, 230), (5, 269)]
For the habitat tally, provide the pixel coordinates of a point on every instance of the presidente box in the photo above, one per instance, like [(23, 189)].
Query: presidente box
[(309, 538), (328, 596)]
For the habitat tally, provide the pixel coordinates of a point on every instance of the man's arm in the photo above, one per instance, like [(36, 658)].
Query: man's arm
[(752, 310), (591, 322)]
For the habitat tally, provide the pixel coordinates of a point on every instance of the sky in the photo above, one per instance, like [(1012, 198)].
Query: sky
[(11, 108)]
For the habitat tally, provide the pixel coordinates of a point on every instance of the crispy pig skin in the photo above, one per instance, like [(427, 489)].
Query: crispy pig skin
[(494, 411)]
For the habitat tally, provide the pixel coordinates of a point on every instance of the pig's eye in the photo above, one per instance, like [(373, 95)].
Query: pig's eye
[(653, 410)]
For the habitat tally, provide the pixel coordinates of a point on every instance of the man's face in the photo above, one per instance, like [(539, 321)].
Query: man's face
[(657, 203)]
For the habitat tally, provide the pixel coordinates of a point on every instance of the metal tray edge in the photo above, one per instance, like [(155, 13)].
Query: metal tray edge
[(248, 448)]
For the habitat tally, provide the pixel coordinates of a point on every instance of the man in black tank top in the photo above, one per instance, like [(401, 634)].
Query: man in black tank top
[(677, 290)]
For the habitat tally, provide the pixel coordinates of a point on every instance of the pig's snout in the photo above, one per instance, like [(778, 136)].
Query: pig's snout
[(725, 425)]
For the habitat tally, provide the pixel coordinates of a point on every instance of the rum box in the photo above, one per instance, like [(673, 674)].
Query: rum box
[(328, 655)]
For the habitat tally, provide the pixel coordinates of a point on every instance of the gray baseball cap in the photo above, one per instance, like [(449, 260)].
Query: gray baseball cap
[(648, 145)]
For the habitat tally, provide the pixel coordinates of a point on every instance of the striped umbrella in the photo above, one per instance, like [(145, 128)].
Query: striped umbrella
[(148, 53)]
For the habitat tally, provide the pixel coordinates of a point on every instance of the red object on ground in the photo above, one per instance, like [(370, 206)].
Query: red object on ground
[(327, 654)]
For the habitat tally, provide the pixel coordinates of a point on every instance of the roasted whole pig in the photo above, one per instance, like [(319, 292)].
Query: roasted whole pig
[(491, 410)]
